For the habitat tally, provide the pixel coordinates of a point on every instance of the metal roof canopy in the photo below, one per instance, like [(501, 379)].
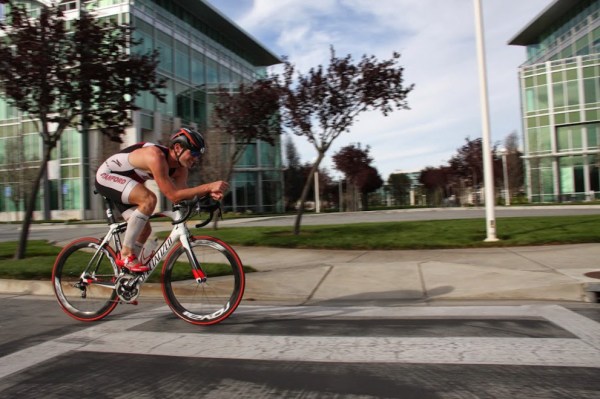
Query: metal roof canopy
[(531, 33), (255, 52)]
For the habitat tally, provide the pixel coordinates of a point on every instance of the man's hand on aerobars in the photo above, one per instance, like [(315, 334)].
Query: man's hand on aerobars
[(218, 189)]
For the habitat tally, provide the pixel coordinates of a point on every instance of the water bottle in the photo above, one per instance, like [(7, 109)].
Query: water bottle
[(148, 250)]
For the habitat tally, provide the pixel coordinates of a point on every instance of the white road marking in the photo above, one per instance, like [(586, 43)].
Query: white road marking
[(456, 350), (116, 337)]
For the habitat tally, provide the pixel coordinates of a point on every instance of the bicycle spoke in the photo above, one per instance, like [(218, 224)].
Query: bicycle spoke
[(204, 302), (84, 279)]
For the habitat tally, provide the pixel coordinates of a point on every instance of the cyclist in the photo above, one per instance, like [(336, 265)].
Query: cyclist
[(121, 179)]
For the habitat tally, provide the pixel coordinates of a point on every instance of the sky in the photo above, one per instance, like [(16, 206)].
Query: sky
[(437, 43)]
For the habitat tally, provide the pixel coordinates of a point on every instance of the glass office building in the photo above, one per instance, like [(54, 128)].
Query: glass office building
[(560, 100), (201, 50)]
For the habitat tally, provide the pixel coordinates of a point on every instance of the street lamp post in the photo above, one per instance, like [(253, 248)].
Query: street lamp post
[(488, 172), (504, 152), (341, 194), (317, 199)]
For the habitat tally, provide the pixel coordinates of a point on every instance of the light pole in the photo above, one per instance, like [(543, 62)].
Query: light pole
[(504, 153), (317, 199), (341, 193), (488, 171)]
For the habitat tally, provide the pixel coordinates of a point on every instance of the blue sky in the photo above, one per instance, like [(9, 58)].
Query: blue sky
[(436, 40)]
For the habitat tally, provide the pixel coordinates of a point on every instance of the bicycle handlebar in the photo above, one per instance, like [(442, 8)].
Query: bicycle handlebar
[(186, 207), (206, 204), (211, 208)]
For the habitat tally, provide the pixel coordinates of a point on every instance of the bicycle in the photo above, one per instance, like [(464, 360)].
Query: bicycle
[(202, 277)]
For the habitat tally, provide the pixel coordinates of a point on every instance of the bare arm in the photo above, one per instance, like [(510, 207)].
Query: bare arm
[(175, 188)]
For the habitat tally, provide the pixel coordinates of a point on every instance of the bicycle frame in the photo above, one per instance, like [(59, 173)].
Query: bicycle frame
[(180, 232)]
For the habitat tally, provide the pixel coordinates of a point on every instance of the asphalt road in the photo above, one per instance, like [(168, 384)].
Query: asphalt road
[(52, 232), (519, 351)]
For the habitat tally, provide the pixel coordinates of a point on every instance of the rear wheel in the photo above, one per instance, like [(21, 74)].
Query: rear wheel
[(206, 302), (84, 278)]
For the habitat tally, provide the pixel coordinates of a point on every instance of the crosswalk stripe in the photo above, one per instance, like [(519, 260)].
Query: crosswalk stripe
[(118, 336), (586, 329), (455, 350)]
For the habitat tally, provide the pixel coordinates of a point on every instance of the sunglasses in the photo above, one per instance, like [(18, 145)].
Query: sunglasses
[(196, 153)]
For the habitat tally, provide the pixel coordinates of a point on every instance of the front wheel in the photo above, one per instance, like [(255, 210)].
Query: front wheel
[(209, 302), (83, 277)]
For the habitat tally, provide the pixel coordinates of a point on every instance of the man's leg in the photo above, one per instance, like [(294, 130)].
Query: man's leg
[(136, 203), (138, 227)]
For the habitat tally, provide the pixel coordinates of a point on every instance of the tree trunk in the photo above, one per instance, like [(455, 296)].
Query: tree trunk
[(228, 177), (305, 191), (20, 254)]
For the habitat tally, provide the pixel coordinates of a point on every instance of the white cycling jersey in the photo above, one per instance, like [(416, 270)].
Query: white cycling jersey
[(116, 177)]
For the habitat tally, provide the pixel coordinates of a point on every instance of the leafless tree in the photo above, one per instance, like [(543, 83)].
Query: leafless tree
[(324, 103)]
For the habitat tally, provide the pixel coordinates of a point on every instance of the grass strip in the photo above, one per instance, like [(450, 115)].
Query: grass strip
[(434, 234)]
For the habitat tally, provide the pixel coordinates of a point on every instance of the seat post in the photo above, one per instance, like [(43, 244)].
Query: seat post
[(108, 208), (109, 211)]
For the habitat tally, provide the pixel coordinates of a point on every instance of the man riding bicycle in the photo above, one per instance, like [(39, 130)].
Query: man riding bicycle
[(121, 177)]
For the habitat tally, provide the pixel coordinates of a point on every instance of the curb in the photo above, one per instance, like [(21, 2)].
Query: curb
[(590, 293)]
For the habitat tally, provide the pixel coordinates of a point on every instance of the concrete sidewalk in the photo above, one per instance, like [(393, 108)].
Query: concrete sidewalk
[(305, 276), (551, 273)]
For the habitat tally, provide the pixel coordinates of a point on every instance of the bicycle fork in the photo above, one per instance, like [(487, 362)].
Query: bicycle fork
[(197, 271)]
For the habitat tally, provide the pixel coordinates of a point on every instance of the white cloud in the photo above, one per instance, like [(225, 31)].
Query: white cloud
[(437, 41)]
